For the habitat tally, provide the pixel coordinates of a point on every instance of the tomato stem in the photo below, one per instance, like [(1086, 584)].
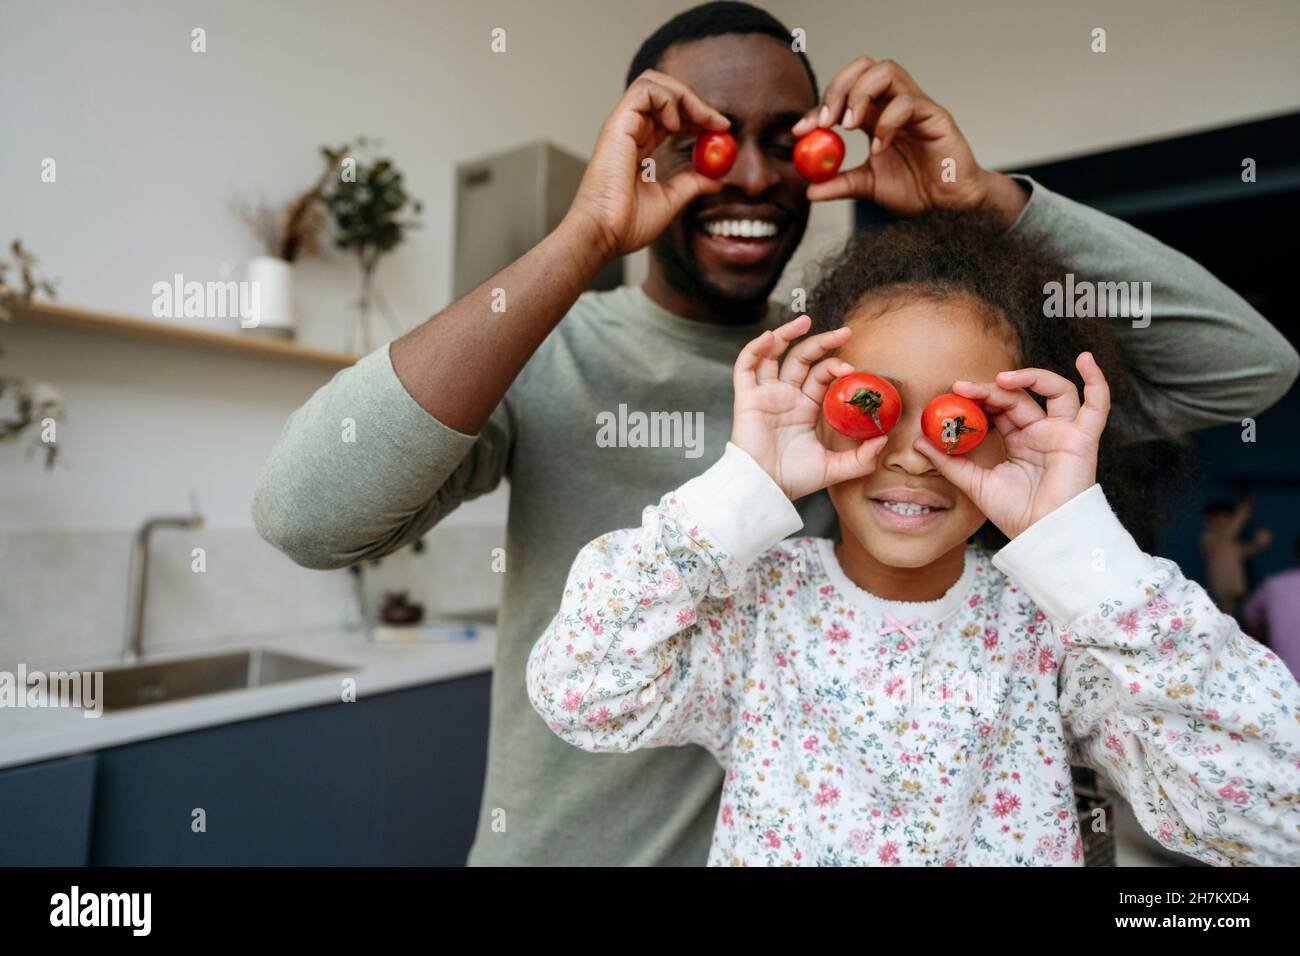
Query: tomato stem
[(868, 402), (953, 429)]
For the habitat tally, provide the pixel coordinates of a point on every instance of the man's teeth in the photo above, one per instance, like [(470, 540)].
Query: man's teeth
[(741, 228), (899, 508)]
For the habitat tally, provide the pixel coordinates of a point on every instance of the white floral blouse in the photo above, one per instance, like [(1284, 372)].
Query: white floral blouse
[(856, 731)]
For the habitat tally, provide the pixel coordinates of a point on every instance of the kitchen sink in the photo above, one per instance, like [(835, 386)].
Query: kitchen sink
[(158, 683)]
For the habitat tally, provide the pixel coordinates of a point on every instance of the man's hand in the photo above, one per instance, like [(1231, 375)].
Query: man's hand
[(914, 143), (615, 204), (777, 404), (1051, 455)]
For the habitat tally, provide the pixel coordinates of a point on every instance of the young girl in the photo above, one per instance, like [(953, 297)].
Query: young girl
[(901, 697)]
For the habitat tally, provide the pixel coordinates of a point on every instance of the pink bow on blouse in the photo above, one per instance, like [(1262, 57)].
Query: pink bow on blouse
[(894, 624)]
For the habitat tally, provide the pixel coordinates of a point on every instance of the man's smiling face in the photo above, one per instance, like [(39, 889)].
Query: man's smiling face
[(726, 250)]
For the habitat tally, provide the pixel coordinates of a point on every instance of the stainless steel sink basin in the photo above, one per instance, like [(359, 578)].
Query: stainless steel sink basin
[(146, 684)]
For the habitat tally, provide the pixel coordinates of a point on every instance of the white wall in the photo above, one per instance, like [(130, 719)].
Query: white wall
[(152, 140)]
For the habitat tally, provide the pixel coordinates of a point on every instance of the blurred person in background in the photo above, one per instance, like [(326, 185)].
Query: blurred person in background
[(1272, 613), (1225, 555)]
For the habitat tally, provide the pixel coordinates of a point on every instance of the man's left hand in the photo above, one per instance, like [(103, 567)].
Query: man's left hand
[(919, 159)]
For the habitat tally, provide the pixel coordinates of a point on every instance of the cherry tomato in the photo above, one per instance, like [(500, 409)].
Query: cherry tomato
[(715, 154), (861, 405), (817, 155), (954, 424)]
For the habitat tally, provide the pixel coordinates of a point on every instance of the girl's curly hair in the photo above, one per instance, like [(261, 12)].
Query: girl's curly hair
[(947, 254)]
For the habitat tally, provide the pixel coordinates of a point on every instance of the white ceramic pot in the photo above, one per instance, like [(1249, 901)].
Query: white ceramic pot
[(272, 290)]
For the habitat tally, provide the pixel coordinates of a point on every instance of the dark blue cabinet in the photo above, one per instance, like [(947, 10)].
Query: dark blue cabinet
[(429, 808), (45, 811), (393, 779)]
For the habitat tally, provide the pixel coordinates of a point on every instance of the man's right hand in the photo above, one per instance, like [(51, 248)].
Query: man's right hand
[(459, 365), (615, 201)]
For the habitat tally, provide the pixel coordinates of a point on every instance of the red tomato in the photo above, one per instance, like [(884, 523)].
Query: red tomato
[(954, 424), (817, 155), (715, 154), (861, 405)]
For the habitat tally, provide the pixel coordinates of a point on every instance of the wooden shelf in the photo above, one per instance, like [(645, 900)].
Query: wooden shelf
[(253, 346)]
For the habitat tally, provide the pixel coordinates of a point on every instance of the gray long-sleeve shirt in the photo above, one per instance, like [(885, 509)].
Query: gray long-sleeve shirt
[(566, 437)]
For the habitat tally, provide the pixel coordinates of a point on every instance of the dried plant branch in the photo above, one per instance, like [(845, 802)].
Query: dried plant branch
[(35, 402), (260, 218), (14, 297), (293, 232)]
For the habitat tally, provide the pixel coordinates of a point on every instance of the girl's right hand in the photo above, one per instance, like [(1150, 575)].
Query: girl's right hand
[(777, 405)]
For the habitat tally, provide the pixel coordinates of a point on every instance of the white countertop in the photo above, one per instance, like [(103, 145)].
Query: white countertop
[(31, 734)]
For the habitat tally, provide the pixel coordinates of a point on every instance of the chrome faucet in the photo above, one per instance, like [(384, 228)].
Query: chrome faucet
[(139, 577)]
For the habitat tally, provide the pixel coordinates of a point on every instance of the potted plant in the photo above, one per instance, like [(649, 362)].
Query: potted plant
[(366, 202)]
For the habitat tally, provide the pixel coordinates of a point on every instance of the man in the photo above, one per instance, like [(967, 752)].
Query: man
[(472, 396)]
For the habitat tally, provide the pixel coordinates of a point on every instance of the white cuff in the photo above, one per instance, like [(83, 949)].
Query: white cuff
[(1075, 558), (743, 509)]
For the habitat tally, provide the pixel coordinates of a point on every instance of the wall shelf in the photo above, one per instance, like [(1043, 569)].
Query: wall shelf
[(253, 346)]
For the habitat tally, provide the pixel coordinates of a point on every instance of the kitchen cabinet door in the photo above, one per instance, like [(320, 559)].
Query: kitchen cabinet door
[(392, 779), (45, 812)]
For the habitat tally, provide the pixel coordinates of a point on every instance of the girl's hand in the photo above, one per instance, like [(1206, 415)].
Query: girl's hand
[(777, 405), (1051, 455)]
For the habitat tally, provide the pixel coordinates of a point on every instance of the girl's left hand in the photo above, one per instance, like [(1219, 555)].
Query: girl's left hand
[(1051, 455)]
